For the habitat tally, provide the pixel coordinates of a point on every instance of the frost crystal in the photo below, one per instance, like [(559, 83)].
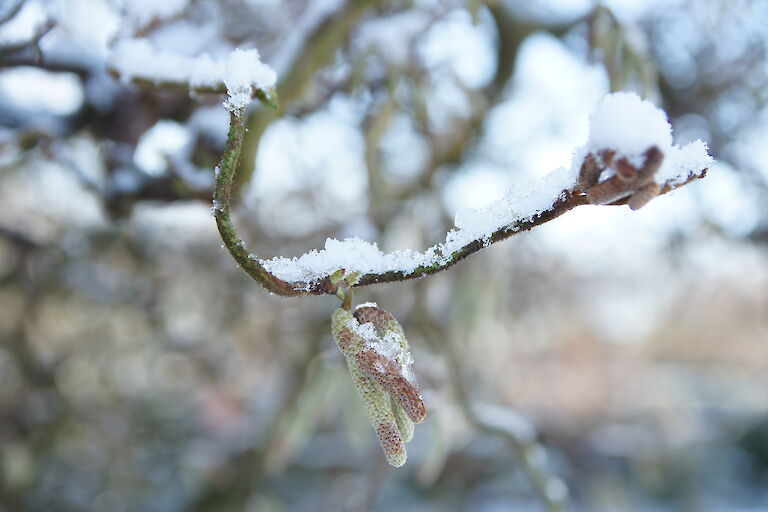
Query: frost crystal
[(366, 331), (389, 346)]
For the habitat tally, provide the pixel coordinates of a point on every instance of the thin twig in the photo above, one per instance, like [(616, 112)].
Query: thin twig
[(222, 197), (546, 485)]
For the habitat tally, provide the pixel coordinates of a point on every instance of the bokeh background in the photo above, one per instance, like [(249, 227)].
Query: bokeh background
[(623, 355)]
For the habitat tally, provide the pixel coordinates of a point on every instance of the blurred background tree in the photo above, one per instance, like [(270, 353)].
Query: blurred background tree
[(141, 370)]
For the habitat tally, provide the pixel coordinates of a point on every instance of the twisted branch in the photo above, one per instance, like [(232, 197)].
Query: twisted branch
[(222, 198), (566, 201)]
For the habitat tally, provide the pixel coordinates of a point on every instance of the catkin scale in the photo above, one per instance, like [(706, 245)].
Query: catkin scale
[(379, 409), (393, 377), (404, 423), (389, 375), (643, 195)]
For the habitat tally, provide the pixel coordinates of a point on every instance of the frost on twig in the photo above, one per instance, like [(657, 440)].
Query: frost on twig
[(377, 355)]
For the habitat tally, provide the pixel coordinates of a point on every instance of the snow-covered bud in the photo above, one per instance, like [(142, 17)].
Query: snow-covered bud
[(629, 181)]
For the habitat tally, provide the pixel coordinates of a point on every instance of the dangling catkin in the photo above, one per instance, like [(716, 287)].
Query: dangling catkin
[(379, 362)]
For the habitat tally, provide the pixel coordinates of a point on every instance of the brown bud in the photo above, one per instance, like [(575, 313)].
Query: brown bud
[(643, 195), (607, 191), (625, 170), (589, 174), (653, 159)]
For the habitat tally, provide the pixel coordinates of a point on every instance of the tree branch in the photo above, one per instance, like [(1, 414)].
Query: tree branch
[(225, 177), (222, 198), (569, 200)]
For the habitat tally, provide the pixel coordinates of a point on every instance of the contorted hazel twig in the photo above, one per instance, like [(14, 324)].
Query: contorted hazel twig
[(637, 183), (378, 358)]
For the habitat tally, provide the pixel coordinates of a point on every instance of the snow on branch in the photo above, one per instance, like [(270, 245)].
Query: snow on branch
[(629, 158), (242, 75), (630, 153), (623, 127)]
